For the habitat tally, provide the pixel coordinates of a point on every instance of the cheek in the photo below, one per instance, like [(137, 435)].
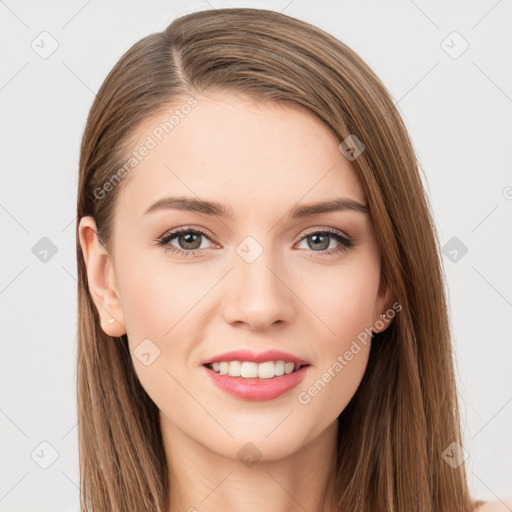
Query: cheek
[(155, 306), (343, 299), (146, 307), (161, 306), (154, 298)]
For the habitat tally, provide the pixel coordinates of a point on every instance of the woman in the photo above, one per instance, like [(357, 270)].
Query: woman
[(261, 312)]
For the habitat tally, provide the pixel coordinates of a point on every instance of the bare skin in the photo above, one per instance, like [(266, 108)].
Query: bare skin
[(497, 506), (261, 161)]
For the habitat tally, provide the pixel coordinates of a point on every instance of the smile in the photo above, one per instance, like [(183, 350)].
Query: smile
[(255, 381), (251, 370)]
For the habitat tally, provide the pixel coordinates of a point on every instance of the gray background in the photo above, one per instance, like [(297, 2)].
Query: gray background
[(458, 111)]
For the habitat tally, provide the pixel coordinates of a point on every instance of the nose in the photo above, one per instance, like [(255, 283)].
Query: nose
[(257, 295)]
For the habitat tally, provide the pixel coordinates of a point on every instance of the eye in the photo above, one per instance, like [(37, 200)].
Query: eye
[(188, 240), (319, 241)]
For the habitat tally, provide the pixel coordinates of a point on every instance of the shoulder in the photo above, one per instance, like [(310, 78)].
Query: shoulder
[(496, 506)]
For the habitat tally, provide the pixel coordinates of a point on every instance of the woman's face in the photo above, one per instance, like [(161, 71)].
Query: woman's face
[(261, 279)]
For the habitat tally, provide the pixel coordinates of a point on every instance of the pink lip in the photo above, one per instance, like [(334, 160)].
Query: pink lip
[(256, 389), (256, 357)]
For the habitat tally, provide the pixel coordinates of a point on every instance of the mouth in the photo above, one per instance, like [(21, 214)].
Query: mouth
[(247, 380), (252, 370)]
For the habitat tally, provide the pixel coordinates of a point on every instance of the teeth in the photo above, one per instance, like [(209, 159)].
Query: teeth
[(234, 368), (224, 368), (250, 370), (265, 370), (279, 368)]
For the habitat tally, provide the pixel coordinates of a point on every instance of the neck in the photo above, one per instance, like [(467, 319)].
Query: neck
[(201, 479)]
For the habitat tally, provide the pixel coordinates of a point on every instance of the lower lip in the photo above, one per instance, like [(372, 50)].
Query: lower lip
[(257, 389)]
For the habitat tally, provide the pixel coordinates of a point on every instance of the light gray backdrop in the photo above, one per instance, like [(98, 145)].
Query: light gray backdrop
[(447, 64)]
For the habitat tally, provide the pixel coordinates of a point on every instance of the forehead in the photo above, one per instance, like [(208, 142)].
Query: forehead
[(249, 155)]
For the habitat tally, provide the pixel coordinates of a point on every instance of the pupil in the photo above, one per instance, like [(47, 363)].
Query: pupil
[(322, 245), (189, 239)]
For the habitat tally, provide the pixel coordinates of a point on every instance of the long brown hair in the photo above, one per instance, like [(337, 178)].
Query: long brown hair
[(405, 413)]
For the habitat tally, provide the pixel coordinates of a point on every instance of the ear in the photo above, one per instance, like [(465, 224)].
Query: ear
[(385, 305), (101, 279)]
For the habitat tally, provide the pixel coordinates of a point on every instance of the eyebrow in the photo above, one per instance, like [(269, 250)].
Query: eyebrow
[(218, 209)]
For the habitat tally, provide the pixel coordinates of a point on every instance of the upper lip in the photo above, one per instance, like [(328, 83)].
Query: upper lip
[(256, 357)]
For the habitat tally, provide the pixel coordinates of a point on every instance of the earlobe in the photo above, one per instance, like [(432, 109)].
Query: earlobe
[(101, 279)]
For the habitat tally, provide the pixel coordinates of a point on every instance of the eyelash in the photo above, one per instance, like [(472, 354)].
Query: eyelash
[(344, 241)]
